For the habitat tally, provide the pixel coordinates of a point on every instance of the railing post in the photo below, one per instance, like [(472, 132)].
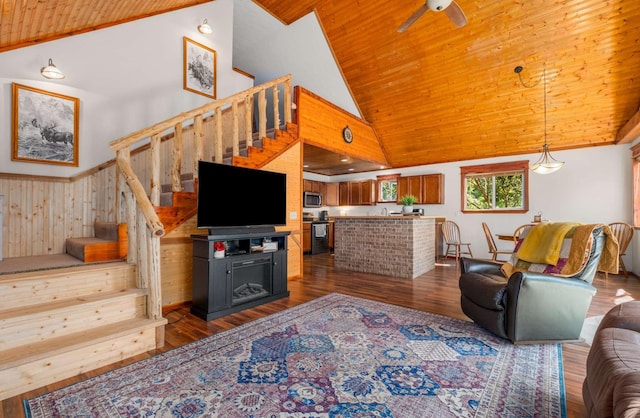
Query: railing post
[(262, 114), (143, 256), (287, 101), (234, 135), (198, 133), (154, 299), (276, 110), (176, 157), (155, 169), (248, 111), (218, 136)]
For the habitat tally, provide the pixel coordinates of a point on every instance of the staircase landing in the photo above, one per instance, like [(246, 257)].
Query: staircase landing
[(40, 262)]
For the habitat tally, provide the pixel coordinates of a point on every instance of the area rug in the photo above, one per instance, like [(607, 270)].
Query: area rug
[(336, 356)]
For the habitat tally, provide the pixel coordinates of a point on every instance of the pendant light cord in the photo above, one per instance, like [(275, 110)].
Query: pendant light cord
[(543, 78)]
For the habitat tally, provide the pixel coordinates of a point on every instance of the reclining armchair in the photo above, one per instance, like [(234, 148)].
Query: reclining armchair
[(523, 302)]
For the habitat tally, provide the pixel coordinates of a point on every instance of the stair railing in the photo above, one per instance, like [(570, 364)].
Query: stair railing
[(136, 206)]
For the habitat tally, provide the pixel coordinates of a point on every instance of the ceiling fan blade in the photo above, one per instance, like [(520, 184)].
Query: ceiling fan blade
[(455, 14), (415, 16)]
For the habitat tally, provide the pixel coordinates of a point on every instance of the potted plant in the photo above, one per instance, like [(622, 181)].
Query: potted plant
[(407, 202)]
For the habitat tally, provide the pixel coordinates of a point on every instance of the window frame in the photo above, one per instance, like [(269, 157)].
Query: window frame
[(496, 168), (388, 178), (635, 164)]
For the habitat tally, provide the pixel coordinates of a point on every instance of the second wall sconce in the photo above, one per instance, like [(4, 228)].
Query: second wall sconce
[(205, 28)]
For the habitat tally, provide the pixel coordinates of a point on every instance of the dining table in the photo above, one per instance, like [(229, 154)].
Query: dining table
[(505, 237)]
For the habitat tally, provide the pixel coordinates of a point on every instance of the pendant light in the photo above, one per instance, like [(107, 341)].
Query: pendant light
[(546, 164), (51, 71)]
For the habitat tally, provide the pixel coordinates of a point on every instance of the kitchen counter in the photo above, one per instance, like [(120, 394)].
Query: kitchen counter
[(386, 217), (400, 246)]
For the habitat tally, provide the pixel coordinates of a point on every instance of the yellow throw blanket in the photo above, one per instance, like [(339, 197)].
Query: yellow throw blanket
[(578, 254), (544, 242), (609, 260)]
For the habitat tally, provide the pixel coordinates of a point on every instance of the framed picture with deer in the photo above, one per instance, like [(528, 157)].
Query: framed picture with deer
[(199, 71), (45, 127)]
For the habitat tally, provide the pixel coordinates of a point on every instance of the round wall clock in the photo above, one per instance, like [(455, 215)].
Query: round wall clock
[(347, 135)]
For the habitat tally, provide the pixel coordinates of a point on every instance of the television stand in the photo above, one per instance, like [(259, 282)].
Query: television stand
[(243, 278)]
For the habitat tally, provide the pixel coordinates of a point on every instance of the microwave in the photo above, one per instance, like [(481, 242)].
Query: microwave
[(311, 200)]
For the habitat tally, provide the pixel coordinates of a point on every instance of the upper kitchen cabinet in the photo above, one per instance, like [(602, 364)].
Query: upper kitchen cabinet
[(332, 194), (313, 186), (428, 189), (433, 189), (354, 193), (410, 185)]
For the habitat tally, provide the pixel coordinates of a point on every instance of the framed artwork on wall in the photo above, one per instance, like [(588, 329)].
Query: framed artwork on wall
[(45, 126), (199, 71)]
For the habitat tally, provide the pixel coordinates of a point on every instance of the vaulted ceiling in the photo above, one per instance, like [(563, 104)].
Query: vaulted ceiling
[(438, 93)]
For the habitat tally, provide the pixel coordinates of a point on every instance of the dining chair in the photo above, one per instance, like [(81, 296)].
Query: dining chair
[(493, 249), (451, 235), (623, 233), (518, 232)]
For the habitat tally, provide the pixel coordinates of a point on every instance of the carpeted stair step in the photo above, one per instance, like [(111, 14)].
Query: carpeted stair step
[(166, 193), (26, 368), (109, 243)]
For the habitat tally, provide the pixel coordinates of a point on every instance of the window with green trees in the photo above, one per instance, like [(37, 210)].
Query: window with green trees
[(499, 187), (388, 188)]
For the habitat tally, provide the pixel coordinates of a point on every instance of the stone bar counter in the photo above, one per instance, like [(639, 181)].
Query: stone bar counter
[(401, 246)]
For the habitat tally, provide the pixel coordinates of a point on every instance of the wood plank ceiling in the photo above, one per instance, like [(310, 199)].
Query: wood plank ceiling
[(436, 93)]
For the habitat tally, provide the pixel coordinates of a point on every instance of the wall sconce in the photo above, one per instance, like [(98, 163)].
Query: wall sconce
[(51, 71), (205, 29)]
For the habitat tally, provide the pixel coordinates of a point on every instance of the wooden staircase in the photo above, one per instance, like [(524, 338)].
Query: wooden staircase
[(59, 323)]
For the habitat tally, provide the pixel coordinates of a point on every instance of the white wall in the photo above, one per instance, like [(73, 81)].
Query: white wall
[(268, 49), (594, 186), (127, 77)]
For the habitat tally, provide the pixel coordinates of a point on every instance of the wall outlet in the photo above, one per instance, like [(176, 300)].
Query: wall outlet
[(293, 215)]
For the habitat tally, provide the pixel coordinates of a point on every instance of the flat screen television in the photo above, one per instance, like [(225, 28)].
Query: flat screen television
[(232, 197)]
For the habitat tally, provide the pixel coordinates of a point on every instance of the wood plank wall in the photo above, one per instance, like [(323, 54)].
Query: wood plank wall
[(41, 212), (320, 123)]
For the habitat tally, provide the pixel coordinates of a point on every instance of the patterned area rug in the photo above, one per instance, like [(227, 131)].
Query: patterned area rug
[(337, 356)]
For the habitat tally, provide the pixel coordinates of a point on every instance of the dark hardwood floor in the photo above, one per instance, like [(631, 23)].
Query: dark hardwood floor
[(436, 291)]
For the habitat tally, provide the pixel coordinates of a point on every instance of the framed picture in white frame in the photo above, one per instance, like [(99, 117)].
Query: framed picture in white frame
[(199, 68)]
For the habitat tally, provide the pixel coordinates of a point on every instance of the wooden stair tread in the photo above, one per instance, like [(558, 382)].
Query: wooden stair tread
[(24, 311), (63, 272), (45, 349)]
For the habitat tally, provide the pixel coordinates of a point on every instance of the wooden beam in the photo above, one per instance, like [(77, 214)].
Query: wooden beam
[(630, 131)]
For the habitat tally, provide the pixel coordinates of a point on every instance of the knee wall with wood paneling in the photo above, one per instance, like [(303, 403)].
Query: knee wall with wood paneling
[(40, 213)]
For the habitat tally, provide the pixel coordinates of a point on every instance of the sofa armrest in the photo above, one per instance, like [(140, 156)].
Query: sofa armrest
[(474, 265), (545, 307)]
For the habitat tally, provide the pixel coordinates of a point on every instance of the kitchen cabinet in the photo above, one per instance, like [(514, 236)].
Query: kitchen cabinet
[(356, 193), (312, 186), (368, 190), (332, 194), (306, 237), (432, 189), (428, 188), (410, 185), (343, 193)]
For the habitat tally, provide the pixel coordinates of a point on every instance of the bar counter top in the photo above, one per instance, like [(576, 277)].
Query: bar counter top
[(387, 217)]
